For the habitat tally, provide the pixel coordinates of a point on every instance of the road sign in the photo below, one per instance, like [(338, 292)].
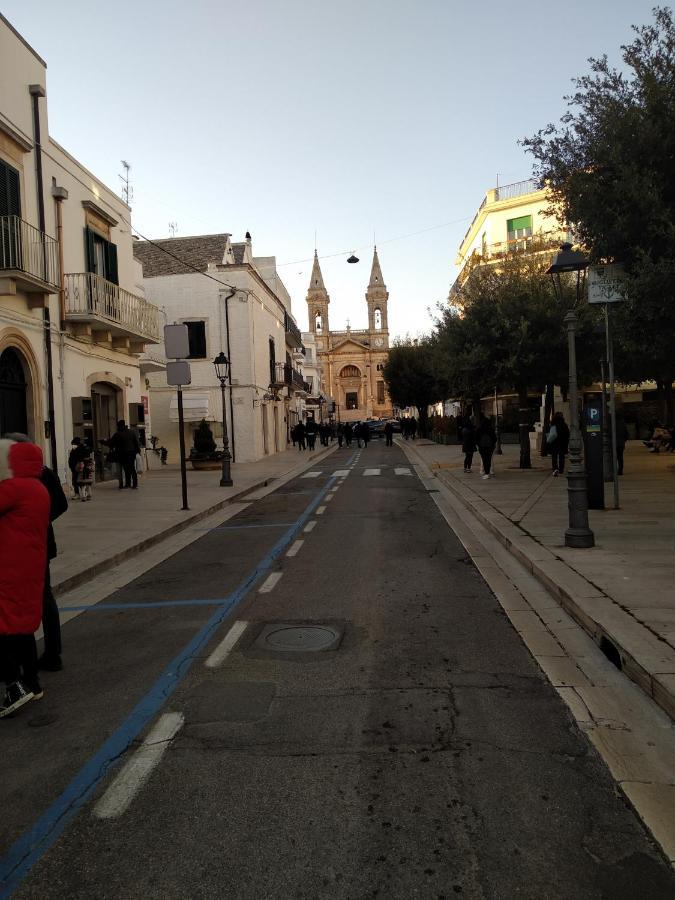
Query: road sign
[(178, 373), (606, 284), (176, 342)]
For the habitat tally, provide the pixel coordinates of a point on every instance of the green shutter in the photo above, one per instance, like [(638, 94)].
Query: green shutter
[(89, 251), (111, 262), (519, 223)]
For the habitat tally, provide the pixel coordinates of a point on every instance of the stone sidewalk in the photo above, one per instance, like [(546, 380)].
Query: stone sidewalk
[(622, 591), (115, 525)]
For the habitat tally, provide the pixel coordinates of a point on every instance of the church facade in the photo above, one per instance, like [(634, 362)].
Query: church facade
[(352, 361)]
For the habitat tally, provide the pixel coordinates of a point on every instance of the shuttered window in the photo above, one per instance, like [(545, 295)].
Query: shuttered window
[(519, 228), (10, 200), (101, 256)]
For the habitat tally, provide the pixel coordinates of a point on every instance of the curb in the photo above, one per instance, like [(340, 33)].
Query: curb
[(103, 565), (644, 658)]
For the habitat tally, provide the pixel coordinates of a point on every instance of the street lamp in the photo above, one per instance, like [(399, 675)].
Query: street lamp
[(222, 366), (569, 262)]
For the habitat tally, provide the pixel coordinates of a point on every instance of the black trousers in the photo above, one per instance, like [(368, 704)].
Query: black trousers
[(18, 659), (51, 622), (486, 456), (311, 441), (340, 439), (468, 459), (558, 461), (129, 467), (390, 440), (619, 458)]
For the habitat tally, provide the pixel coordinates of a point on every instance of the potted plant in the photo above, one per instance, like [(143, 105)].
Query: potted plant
[(203, 453)]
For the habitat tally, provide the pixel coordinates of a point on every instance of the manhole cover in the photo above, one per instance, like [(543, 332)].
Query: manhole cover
[(285, 638)]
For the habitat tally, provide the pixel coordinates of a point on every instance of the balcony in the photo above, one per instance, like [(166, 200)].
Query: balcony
[(106, 307), (542, 242), (293, 335), (28, 257), (280, 374)]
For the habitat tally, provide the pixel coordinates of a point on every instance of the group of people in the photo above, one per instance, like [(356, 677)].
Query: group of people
[(662, 438), (478, 434), (304, 434), (409, 428), (31, 498), (124, 453)]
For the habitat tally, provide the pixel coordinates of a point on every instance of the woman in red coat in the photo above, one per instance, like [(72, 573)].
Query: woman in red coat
[(24, 520)]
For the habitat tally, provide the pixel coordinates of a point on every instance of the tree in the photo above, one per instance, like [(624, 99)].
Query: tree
[(508, 333), (609, 165), (413, 378)]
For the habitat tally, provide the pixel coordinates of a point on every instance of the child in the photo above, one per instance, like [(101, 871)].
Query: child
[(24, 520)]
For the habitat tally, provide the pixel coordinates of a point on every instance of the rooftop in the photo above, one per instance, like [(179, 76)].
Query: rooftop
[(196, 252)]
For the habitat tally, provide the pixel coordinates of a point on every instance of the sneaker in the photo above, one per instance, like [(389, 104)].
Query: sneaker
[(35, 690), (50, 664), (485, 477), (16, 696)]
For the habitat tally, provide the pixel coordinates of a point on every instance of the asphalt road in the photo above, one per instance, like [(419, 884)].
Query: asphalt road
[(420, 754)]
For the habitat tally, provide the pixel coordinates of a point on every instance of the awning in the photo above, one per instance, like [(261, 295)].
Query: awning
[(196, 407)]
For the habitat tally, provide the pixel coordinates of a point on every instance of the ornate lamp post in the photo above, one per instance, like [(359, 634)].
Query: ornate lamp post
[(573, 263), (222, 366)]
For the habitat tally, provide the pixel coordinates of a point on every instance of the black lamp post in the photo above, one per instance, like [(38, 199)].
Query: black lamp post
[(567, 265), (222, 366)]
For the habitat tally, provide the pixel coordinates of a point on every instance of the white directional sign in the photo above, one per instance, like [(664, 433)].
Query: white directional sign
[(178, 373), (606, 284)]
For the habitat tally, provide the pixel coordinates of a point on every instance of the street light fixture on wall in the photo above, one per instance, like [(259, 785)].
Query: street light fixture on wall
[(222, 366), (571, 265)]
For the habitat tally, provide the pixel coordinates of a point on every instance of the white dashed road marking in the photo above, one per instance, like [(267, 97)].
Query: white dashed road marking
[(311, 474), (402, 471), (269, 583), (310, 526), (138, 769), (219, 655), (320, 510), (341, 473), (295, 548), (371, 472)]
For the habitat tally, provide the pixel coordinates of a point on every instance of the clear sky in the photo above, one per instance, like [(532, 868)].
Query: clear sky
[(286, 117)]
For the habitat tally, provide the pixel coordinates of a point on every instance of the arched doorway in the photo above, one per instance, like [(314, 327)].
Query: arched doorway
[(13, 393), (350, 391)]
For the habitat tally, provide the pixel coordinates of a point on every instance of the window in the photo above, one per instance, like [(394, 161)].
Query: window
[(380, 391), (308, 354), (317, 321), (101, 256), (350, 372), (517, 232), (196, 340), (352, 400), (10, 203), (378, 319)]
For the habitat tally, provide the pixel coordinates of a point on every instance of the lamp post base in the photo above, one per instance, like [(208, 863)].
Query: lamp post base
[(226, 482), (226, 478), (579, 538), (578, 534)]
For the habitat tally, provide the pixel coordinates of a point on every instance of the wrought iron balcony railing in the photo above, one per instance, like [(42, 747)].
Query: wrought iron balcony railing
[(28, 255), (107, 306), (292, 331), (280, 374)]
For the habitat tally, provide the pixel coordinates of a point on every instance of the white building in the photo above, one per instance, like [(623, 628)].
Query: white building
[(72, 316), (237, 304), (316, 404)]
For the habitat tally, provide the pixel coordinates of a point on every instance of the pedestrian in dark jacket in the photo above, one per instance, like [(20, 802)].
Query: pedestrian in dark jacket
[(124, 444), (311, 428), (50, 661), (389, 434), (621, 438), (486, 441), (349, 434), (468, 444), (300, 433), (24, 521), (78, 453), (340, 434), (557, 442), (413, 427)]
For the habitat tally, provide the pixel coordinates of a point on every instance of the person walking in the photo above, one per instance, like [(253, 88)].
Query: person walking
[(300, 434), (311, 429), (389, 434), (24, 522), (557, 441), (349, 433), (486, 441), (125, 445), (621, 438), (405, 428), (468, 444), (340, 434), (292, 434), (365, 433), (50, 661), (413, 427), (78, 453)]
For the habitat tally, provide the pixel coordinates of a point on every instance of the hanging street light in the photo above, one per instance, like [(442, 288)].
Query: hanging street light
[(570, 265), (222, 366)]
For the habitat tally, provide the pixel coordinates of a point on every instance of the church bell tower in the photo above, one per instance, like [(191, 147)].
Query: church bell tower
[(317, 302), (377, 296)]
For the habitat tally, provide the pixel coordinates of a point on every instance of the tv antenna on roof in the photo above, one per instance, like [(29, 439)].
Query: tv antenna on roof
[(127, 190), (173, 228)]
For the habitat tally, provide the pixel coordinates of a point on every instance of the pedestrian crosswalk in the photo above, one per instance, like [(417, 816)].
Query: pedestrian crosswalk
[(369, 473)]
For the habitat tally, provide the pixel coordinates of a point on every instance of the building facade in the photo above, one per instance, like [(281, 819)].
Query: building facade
[(352, 361), (73, 319), (241, 308)]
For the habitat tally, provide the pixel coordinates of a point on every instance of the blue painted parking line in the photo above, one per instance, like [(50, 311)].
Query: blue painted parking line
[(34, 843)]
